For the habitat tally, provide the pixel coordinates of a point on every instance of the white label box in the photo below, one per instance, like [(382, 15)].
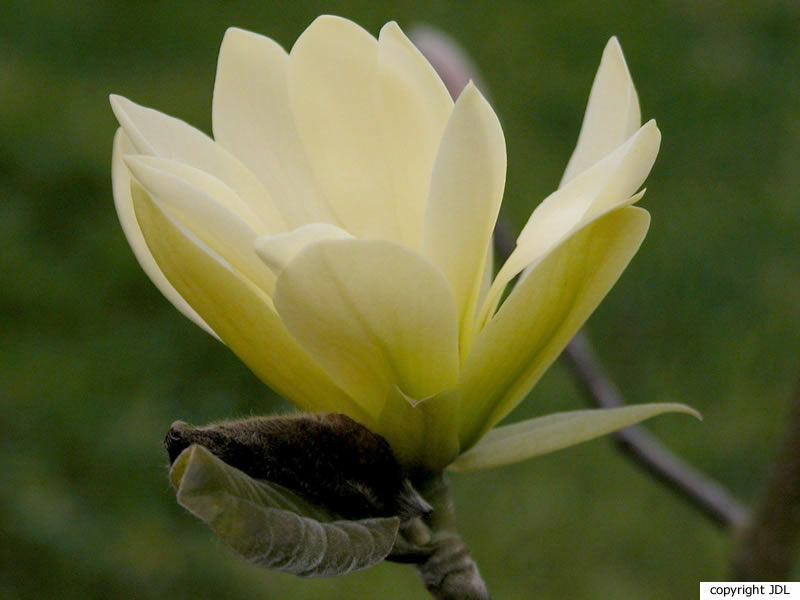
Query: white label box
[(757, 590)]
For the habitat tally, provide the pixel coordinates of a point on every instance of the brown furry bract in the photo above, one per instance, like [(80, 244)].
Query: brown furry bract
[(329, 459)]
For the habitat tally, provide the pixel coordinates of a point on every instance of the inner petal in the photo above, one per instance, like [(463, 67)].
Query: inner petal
[(252, 118), (375, 315), (370, 115)]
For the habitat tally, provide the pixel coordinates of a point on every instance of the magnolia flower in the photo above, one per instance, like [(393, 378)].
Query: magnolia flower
[(336, 235)]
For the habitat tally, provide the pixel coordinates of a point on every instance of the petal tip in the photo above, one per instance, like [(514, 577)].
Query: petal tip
[(118, 104), (125, 110), (234, 35), (695, 413), (613, 45), (649, 133), (121, 102), (327, 18), (683, 408), (122, 108), (235, 31), (470, 90), (612, 53), (652, 128), (331, 29), (472, 96), (231, 35), (391, 28), (330, 21)]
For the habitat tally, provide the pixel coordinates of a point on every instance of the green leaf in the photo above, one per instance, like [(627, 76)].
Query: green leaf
[(513, 443), (272, 527)]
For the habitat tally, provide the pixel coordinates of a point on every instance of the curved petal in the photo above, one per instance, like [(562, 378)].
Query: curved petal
[(607, 186), (423, 433), (370, 115), (442, 425), (520, 441), (278, 250), (401, 422), (156, 134), (612, 113), (416, 107), (375, 315), (121, 185), (465, 196), (216, 189), (186, 194), (487, 277), (334, 95), (252, 119), (240, 313), (541, 315)]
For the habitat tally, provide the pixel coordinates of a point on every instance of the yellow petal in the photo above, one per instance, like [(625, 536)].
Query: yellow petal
[(156, 134), (520, 441), (334, 94), (370, 115), (240, 313), (608, 185), (466, 192), (186, 194), (421, 433), (121, 184), (252, 119), (401, 422), (224, 196), (487, 277), (442, 425), (375, 315), (541, 315), (612, 113), (278, 250), (416, 107)]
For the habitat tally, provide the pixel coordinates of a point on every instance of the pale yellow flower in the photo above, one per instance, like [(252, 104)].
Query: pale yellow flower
[(336, 235)]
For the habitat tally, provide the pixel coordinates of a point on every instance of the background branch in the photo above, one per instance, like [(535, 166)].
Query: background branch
[(705, 494)]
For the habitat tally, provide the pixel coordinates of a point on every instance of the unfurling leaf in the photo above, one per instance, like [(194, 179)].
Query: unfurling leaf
[(272, 527)]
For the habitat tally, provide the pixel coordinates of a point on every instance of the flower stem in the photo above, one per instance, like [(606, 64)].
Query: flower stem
[(436, 548)]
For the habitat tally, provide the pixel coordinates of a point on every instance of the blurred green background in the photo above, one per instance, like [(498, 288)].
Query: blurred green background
[(96, 364)]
